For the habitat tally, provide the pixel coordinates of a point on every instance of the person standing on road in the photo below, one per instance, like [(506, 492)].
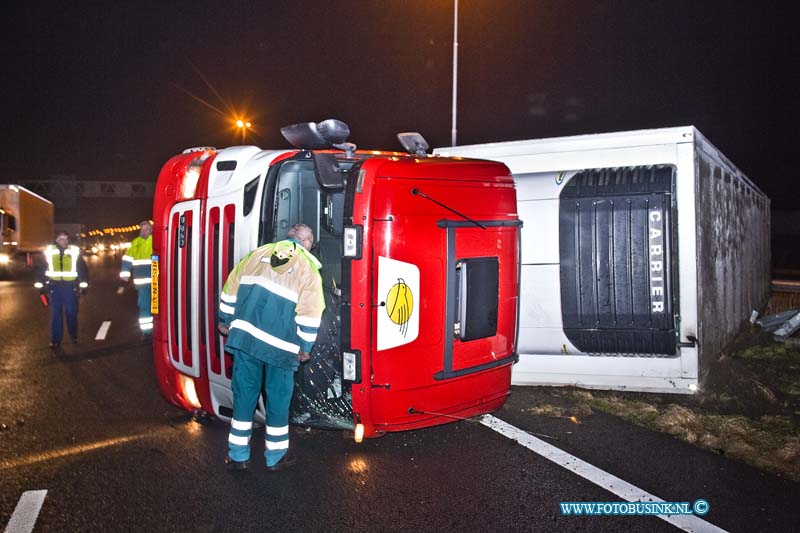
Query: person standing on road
[(66, 274), (138, 260), (270, 308)]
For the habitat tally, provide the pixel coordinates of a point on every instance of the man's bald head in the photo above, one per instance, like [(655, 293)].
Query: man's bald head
[(302, 234)]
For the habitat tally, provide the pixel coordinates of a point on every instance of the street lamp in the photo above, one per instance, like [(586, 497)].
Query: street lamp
[(244, 126)]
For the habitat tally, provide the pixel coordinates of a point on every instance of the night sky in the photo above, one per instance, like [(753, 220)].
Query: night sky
[(112, 90)]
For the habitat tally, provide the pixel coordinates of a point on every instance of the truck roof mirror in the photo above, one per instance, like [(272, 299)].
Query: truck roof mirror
[(414, 143), (329, 174)]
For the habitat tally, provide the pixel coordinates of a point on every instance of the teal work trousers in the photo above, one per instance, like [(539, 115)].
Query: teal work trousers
[(145, 316), (248, 375)]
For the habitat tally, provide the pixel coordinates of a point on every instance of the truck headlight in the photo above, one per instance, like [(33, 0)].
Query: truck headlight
[(5, 259), (189, 391), (189, 183)]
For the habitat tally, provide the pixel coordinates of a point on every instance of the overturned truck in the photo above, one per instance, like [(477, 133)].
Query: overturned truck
[(643, 253), (420, 266)]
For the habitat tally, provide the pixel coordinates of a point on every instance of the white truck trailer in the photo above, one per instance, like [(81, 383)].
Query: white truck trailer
[(26, 227), (643, 252)]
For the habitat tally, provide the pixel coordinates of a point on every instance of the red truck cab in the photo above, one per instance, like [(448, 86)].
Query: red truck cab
[(420, 271)]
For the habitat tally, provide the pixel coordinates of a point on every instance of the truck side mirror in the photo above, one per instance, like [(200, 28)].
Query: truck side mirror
[(328, 173), (313, 136)]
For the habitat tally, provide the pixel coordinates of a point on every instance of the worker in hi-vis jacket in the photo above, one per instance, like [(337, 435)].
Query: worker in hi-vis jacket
[(270, 308), (65, 276), (137, 261)]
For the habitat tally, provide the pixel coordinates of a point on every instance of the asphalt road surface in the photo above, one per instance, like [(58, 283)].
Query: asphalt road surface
[(88, 444)]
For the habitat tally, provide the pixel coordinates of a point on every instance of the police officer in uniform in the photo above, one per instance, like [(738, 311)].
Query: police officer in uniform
[(66, 274)]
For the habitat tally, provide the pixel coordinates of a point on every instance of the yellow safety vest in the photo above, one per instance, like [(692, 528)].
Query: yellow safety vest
[(139, 260), (62, 267)]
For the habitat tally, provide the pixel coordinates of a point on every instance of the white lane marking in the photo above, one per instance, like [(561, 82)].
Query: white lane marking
[(27, 511), (101, 333), (603, 479)]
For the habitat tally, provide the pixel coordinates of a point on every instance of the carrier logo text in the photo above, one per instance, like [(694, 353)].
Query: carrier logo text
[(656, 249)]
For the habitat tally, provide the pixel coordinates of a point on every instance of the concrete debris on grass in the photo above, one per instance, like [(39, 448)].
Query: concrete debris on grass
[(774, 321), (788, 328), (783, 324)]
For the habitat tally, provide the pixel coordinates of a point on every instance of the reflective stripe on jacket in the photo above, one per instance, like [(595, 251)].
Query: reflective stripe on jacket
[(138, 260), (273, 311), (62, 265)]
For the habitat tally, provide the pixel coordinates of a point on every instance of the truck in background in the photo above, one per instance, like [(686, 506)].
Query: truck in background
[(26, 227), (643, 253), (420, 266)]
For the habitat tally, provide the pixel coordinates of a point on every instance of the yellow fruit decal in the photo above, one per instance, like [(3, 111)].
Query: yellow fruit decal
[(400, 305)]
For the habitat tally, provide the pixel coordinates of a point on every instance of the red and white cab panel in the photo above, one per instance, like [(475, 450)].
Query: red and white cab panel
[(421, 262)]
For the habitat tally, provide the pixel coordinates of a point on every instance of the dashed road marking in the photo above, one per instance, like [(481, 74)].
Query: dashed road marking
[(27, 511), (609, 482), (103, 331)]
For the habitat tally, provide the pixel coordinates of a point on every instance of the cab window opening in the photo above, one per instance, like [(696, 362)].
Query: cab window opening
[(296, 197)]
